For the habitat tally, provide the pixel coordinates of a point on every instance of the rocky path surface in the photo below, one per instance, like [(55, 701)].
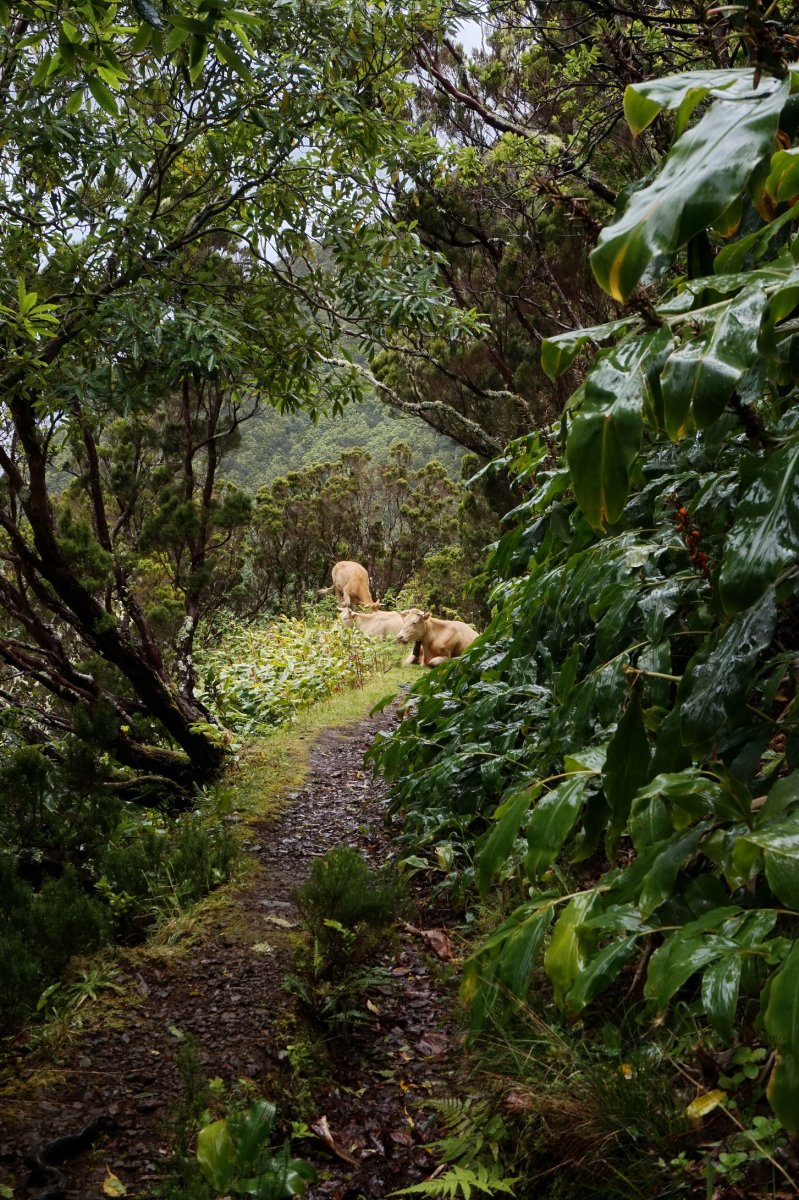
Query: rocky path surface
[(365, 1100)]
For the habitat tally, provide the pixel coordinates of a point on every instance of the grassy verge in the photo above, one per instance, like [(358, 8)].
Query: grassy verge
[(269, 767)]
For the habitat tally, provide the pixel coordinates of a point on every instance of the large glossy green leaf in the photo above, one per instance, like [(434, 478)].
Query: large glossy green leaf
[(606, 434), (751, 248), (685, 952), (781, 1022), (643, 101), (626, 766), (551, 822), (783, 180), (716, 687), (509, 816), (504, 961), (216, 1154), (559, 352), (571, 945), (720, 985), (705, 170), (600, 972), (699, 379), (780, 846), (764, 539), (659, 881)]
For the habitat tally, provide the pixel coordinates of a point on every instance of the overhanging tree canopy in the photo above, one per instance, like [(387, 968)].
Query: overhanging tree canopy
[(166, 180)]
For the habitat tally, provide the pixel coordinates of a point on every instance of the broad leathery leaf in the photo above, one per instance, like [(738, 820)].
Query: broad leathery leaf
[(699, 379), (507, 956), (781, 1022), (254, 1133), (783, 795), (684, 953), (571, 945), (643, 101), (751, 248), (509, 816), (606, 434), (783, 180), (703, 173), (720, 985), (601, 971), (626, 766), (551, 822), (228, 55), (704, 1104), (215, 1154), (780, 846), (148, 13), (691, 290), (558, 353), (716, 687), (519, 950), (658, 883), (764, 539), (113, 1185)]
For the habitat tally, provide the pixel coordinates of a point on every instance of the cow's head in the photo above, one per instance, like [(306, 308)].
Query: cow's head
[(414, 625), (347, 617)]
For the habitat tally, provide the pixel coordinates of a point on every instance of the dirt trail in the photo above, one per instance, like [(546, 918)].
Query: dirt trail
[(226, 991)]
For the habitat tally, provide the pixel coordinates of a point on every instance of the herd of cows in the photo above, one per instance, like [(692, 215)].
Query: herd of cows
[(434, 640)]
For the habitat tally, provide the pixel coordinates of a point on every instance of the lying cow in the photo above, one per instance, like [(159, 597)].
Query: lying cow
[(351, 585), (379, 625), (439, 639), (373, 624)]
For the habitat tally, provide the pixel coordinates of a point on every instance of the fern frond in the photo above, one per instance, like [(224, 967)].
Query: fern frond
[(461, 1181)]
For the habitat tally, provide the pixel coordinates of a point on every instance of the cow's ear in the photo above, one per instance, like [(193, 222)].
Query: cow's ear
[(426, 616)]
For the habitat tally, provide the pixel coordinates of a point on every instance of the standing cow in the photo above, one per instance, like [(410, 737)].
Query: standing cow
[(351, 585)]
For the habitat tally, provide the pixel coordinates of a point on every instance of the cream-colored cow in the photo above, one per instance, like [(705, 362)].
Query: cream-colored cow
[(373, 624), (380, 625), (439, 639), (351, 585)]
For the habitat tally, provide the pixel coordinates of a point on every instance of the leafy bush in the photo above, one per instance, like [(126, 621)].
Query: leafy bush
[(60, 809), (344, 896), (258, 676), (621, 749), (347, 907), (154, 869), (39, 933)]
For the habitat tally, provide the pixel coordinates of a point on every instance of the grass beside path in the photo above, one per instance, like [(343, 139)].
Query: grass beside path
[(269, 767)]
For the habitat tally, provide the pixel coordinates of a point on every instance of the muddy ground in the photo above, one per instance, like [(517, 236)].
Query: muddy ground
[(365, 1098)]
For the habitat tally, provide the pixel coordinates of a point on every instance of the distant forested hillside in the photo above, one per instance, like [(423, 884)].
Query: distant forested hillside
[(273, 443)]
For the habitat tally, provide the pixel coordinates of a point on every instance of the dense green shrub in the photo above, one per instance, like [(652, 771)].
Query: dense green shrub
[(345, 896), (152, 870), (40, 932), (347, 907), (620, 751)]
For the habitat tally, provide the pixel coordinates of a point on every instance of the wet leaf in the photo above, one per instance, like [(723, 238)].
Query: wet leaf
[(764, 539), (703, 173), (113, 1185), (716, 687), (705, 1104)]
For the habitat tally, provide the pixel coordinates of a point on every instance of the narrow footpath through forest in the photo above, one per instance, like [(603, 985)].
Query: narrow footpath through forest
[(117, 1082)]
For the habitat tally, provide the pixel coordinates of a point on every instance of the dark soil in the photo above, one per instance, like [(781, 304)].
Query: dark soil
[(365, 1097)]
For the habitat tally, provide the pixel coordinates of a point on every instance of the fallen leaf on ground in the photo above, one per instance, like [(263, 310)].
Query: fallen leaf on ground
[(322, 1130), (432, 1044), (113, 1185)]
